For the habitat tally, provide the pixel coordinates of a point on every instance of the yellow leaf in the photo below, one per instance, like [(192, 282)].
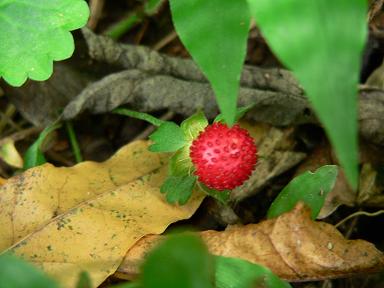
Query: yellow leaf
[(10, 155), (88, 216)]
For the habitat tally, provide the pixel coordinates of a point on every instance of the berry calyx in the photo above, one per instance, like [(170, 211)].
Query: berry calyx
[(224, 157)]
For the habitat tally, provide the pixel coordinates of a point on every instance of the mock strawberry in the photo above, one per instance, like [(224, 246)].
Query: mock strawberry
[(223, 157)]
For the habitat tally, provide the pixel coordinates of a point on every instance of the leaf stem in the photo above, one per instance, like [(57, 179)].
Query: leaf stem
[(73, 140), (139, 115)]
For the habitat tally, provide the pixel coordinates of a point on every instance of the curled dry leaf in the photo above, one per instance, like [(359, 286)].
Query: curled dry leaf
[(67, 220), (292, 246)]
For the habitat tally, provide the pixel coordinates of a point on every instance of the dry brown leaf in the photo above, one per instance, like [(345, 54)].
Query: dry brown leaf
[(88, 216), (292, 246)]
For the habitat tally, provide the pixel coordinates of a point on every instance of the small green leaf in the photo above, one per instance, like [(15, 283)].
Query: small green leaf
[(180, 163), (239, 273), (240, 112), (35, 33), (221, 196), (215, 34), (309, 39), (16, 273), (180, 261), (34, 156), (193, 125), (310, 188), (169, 137), (178, 189)]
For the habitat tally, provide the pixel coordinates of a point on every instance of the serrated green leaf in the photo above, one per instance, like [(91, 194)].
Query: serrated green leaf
[(33, 34), (180, 163), (180, 261), (310, 38), (16, 273), (193, 125), (240, 112), (239, 273), (178, 189), (215, 34), (34, 156), (169, 137), (221, 196), (310, 188)]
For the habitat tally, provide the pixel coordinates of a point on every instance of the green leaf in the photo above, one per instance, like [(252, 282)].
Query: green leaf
[(215, 34), (169, 137), (178, 189), (180, 261), (193, 125), (240, 112), (33, 34), (310, 38), (222, 196), (180, 163), (310, 188), (34, 156), (16, 273), (239, 273), (84, 280)]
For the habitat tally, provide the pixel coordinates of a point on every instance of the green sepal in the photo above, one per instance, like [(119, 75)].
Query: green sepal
[(178, 189), (240, 112), (193, 125), (310, 188), (222, 196), (169, 137), (180, 163)]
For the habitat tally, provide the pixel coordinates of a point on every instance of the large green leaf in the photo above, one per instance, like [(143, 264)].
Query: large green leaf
[(215, 34), (34, 33), (310, 188), (15, 273), (180, 261), (321, 41)]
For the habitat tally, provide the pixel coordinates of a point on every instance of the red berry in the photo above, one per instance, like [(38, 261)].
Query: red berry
[(223, 157)]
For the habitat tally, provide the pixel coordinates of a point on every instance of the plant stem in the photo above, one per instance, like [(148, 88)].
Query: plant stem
[(139, 115), (73, 140)]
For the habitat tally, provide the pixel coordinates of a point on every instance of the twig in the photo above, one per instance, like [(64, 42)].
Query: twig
[(96, 7), (360, 213), (20, 135), (165, 41)]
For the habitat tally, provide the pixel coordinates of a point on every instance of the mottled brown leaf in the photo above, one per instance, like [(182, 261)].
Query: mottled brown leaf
[(292, 246)]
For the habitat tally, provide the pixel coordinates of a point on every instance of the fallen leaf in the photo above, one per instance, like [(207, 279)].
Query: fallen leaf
[(9, 154), (85, 218), (293, 246)]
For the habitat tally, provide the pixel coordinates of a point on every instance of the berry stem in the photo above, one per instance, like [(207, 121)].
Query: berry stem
[(139, 115)]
